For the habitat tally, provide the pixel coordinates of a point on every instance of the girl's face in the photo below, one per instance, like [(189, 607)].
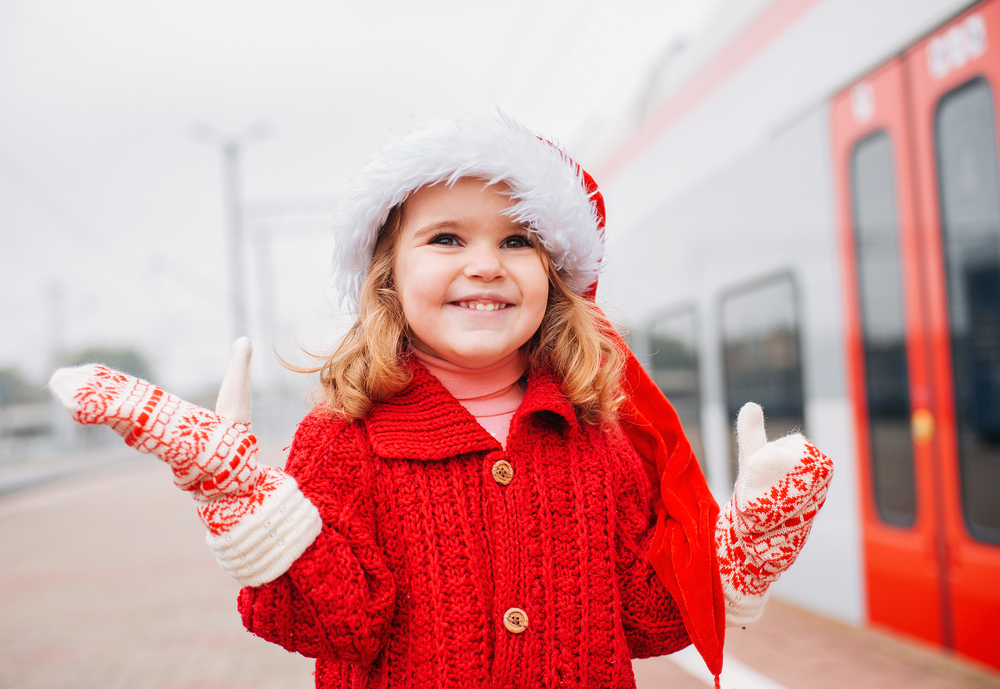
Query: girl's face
[(472, 283)]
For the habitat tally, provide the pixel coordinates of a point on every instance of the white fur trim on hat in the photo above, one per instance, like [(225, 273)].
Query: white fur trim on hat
[(546, 185)]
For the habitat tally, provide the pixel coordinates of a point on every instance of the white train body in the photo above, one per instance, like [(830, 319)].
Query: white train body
[(724, 220)]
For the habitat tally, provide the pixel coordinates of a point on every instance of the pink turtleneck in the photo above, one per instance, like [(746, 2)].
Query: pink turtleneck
[(491, 394)]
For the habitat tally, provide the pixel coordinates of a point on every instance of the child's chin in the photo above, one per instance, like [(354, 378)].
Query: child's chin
[(487, 354)]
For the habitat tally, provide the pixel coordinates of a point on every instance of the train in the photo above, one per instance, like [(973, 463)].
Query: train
[(806, 214)]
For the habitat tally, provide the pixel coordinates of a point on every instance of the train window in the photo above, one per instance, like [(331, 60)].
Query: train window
[(880, 288), (674, 358), (762, 356), (970, 222)]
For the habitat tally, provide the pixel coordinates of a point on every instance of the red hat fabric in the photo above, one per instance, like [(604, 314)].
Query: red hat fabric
[(683, 551)]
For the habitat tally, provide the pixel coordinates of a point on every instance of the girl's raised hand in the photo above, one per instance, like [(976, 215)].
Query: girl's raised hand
[(257, 518), (211, 453), (781, 486)]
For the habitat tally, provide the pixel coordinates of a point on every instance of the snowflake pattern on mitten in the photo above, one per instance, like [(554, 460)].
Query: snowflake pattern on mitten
[(258, 520), (763, 540), (761, 530), (207, 453), (223, 512)]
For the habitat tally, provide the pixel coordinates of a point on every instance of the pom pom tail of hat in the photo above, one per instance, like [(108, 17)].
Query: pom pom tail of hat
[(683, 550)]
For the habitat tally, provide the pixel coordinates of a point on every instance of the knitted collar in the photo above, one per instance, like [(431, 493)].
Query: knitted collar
[(425, 421)]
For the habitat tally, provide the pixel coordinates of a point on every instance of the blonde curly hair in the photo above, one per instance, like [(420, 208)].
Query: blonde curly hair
[(368, 365)]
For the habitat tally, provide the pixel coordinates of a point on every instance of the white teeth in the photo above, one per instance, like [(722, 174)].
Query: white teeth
[(481, 306)]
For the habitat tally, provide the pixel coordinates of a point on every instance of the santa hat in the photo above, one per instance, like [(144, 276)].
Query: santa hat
[(563, 207), (549, 191)]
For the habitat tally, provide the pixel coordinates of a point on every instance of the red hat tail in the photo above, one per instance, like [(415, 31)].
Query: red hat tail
[(683, 550)]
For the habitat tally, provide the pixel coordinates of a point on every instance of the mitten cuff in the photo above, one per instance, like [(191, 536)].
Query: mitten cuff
[(263, 544), (742, 609)]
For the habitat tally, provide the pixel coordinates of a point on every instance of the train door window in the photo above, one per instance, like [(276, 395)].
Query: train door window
[(965, 133), (762, 355), (880, 289), (674, 357)]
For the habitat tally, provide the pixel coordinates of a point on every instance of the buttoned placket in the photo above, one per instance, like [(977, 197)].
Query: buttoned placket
[(511, 610)]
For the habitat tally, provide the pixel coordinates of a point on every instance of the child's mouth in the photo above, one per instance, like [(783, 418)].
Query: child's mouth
[(482, 305)]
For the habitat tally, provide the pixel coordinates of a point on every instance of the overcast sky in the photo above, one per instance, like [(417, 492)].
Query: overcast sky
[(111, 213)]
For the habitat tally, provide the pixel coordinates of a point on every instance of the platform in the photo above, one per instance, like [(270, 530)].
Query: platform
[(106, 582)]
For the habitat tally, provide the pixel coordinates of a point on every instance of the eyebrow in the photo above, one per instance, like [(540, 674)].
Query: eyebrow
[(436, 227)]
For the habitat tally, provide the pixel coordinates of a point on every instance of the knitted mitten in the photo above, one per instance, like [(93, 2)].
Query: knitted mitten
[(781, 486), (258, 520)]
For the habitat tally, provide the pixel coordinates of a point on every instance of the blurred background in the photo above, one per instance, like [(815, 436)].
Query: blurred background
[(116, 117), (803, 210)]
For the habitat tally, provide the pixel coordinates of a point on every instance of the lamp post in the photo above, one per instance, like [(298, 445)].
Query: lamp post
[(231, 147)]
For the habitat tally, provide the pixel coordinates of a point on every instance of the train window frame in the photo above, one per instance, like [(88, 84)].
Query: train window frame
[(985, 534), (689, 413), (732, 406), (896, 504)]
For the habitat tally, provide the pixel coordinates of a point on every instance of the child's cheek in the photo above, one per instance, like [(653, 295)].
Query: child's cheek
[(535, 298), (423, 286)]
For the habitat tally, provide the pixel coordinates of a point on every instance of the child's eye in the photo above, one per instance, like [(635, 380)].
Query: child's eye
[(445, 239), (517, 241)]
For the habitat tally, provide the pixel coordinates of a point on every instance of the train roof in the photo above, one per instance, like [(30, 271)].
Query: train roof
[(758, 67)]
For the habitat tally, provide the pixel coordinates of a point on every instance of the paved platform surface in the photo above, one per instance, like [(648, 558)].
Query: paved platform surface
[(22, 473), (105, 582)]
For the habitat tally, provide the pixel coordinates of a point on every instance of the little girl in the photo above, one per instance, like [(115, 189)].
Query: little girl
[(493, 492)]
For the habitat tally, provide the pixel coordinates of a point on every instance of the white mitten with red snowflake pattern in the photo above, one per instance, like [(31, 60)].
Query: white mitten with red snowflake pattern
[(258, 520), (781, 486)]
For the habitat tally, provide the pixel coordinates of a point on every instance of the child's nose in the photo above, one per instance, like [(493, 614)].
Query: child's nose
[(485, 265)]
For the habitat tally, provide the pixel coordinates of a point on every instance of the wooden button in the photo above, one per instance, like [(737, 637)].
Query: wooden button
[(503, 472), (515, 620)]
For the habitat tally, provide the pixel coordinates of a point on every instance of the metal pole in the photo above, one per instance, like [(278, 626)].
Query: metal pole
[(231, 148), (237, 275), (265, 291), (57, 323)]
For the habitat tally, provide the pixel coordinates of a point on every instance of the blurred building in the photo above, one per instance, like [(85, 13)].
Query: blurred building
[(33, 425), (804, 211)]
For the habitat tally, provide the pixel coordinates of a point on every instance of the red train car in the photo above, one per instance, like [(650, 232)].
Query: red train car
[(810, 217), (915, 168)]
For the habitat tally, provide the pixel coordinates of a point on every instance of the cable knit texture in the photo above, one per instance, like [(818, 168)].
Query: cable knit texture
[(422, 552)]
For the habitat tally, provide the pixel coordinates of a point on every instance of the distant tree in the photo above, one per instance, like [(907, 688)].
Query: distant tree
[(14, 389), (124, 359)]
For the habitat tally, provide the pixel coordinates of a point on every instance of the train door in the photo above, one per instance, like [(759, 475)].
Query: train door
[(915, 159), (955, 77), (887, 353)]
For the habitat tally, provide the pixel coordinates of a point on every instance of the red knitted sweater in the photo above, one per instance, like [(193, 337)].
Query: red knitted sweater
[(423, 551)]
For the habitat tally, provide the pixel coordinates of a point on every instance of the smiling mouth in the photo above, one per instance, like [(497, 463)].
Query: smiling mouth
[(482, 305)]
